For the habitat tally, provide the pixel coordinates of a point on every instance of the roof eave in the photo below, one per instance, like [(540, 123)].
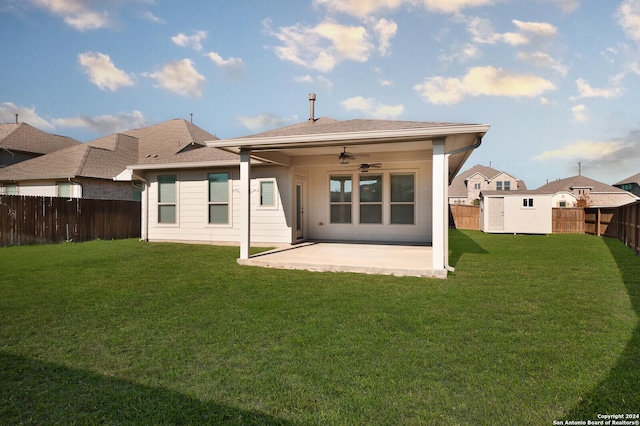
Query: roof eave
[(362, 137), (186, 165)]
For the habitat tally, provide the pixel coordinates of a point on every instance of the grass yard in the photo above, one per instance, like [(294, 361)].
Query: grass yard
[(528, 330)]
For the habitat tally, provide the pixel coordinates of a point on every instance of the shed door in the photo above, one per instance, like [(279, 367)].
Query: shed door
[(496, 214)]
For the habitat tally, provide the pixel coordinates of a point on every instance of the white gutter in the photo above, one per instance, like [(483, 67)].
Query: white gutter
[(190, 165)]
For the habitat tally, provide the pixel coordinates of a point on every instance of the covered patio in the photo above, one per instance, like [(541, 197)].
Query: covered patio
[(366, 258)]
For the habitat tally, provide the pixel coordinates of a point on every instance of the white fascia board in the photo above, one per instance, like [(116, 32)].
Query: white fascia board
[(328, 139), (125, 175), (191, 165)]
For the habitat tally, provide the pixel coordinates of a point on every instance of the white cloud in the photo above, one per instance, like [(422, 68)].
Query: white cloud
[(371, 108), (543, 60), (454, 6), (76, 13), (194, 41), (27, 115), (628, 15), (489, 81), (461, 54), (149, 16), (363, 8), (386, 30), (584, 150), (360, 8), (231, 64), (580, 113), (180, 77), (102, 72), (586, 91), (541, 29), (384, 83), (323, 46), (482, 31), (105, 124), (319, 80), (263, 121)]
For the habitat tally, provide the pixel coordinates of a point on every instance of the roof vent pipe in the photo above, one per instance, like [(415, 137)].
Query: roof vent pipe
[(16, 118), (312, 101)]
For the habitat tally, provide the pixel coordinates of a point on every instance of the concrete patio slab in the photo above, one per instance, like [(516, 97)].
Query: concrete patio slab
[(397, 260)]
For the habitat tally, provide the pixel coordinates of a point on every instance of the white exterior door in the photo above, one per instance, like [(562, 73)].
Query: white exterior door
[(496, 214)]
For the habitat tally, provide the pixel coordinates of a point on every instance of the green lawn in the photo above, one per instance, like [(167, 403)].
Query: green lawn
[(527, 330)]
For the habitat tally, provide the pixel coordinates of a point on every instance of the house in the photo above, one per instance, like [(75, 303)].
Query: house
[(466, 187), (21, 142), (631, 184), (581, 191), (320, 180), (515, 212), (98, 169)]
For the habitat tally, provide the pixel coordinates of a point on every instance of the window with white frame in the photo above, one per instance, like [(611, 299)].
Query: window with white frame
[(370, 198), (63, 189), (476, 185), (268, 193), (507, 185), (219, 198), (403, 199), (167, 199), (499, 185), (10, 189), (527, 202), (340, 192)]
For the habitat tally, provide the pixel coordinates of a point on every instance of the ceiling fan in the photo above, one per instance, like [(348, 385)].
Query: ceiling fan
[(364, 167)]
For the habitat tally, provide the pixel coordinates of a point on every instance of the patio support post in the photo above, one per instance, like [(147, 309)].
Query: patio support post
[(245, 202), (438, 199)]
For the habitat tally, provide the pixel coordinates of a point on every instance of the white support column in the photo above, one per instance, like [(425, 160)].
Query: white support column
[(245, 203), (438, 218)]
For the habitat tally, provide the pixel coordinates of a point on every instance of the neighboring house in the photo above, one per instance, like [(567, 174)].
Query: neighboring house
[(516, 212), (631, 184), (581, 191), (20, 142), (466, 187), (323, 179), (98, 169)]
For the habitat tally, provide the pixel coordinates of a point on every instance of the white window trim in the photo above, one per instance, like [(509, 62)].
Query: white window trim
[(415, 203), (229, 202), (276, 194), (175, 224)]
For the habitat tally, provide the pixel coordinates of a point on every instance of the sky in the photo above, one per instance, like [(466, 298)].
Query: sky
[(557, 80)]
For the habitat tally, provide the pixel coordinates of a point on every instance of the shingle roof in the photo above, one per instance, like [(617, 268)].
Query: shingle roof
[(458, 188), (631, 179), (25, 138), (102, 158), (172, 141), (329, 125), (579, 181), (176, 141)]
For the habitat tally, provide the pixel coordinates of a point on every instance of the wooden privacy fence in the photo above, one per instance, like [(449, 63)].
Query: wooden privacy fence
[(464, 217), (38, 220), (567, 220), (617, 222)]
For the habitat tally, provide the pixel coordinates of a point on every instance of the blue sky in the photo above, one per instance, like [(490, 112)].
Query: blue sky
[(557, 80)]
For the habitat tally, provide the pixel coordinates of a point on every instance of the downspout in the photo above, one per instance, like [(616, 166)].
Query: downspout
[(71, 182), (446, 194), (145, 224)]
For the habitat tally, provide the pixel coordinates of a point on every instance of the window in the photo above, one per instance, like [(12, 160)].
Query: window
[(370, 198), (267, 193), (64, 189), (219, 198), (476, 185), (499, 185), (403, 199), (507, 185), (527, 202), (10, 189), (167, 199), (626, 186), (340, 188), (563, 204)]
